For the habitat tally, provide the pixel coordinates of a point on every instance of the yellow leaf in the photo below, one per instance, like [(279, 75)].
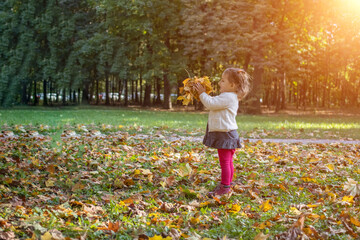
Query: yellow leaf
[(203, 204), (137, 172), (348, 199), (308, 179), (264, 225), (266, 206), (46, 236), (313, 216), (194, 221), (36, 162), (78, 186), (50, 183), (235, 208), (312, 205), (184, 235), (295, 211), (185, 170), (331, 167), (157, 237), (355, 221)]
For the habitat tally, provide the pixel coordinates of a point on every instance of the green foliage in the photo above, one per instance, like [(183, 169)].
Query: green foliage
[(299, 52)]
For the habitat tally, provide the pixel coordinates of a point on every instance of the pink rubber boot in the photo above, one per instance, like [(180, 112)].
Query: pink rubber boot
[(221, 189)]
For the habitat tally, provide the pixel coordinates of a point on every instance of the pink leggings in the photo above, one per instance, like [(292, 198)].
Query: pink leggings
[(227, 166)]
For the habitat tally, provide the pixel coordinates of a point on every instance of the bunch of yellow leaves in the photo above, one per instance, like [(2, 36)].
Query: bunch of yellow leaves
[(188, 92)]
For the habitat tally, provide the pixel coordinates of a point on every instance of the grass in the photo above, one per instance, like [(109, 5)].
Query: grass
[(120, 185), (250, 126)]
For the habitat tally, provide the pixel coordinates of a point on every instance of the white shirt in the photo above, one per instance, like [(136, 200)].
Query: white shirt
[(223, 110)]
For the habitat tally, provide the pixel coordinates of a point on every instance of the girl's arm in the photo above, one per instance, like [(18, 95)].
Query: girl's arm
[(215, 103), (212, 103)]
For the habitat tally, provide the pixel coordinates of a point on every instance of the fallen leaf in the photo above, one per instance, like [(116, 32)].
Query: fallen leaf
[(352, 187), (50, 183), (261, 236), (111, 227), (56, 234), (266, 206), (46, 236), (78, 186), (158, 237), (348, 199), (235, 208), (355, 221)]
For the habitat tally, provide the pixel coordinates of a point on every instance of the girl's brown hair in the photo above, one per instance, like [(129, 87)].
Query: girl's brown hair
[(241, 79)]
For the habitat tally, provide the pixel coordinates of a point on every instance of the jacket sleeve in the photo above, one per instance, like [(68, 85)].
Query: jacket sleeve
[(215, 103)]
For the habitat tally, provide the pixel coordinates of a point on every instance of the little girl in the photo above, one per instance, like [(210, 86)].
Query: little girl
[(221, 129)]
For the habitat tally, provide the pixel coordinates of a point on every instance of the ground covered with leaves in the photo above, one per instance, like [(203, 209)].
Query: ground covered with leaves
[(107, 182)]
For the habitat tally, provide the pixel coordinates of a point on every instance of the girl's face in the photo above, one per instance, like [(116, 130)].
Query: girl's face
[(226, 85)]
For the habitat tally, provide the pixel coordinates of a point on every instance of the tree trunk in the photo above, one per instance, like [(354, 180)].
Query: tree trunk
[(70, 96), (147, 95), (254, 106), (74, 96), (51, 91), (126, 93), (107, 92), (158, 92), (141, 89), (136, 91), (79, 94), (120, 88), (85, 94), (283, 91), (64, 97), (247, 61), (132, 91), (45, 101), (24, 94), (113, 90), (97, 91), (28, 100), (167, 92), (36, 100)]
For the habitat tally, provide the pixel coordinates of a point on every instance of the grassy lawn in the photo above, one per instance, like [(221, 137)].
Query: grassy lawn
[(115, 174), (250, 126)]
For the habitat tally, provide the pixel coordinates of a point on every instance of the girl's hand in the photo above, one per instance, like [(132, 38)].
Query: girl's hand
[(199, 88)]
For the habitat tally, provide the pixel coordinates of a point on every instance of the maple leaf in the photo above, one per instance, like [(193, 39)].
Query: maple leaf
[(235, 208), (157, 237), (111, 227), (355, 221), (261, 236), (266, 206), (185, 170), (352, 186)]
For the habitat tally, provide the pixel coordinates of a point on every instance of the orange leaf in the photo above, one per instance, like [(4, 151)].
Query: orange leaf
[(355, 221), (111, 227)]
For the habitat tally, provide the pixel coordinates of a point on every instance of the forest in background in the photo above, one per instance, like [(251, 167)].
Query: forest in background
[(300, 53)]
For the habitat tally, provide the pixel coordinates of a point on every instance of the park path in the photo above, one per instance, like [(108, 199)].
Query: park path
[(307, 141), (267, 140)]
